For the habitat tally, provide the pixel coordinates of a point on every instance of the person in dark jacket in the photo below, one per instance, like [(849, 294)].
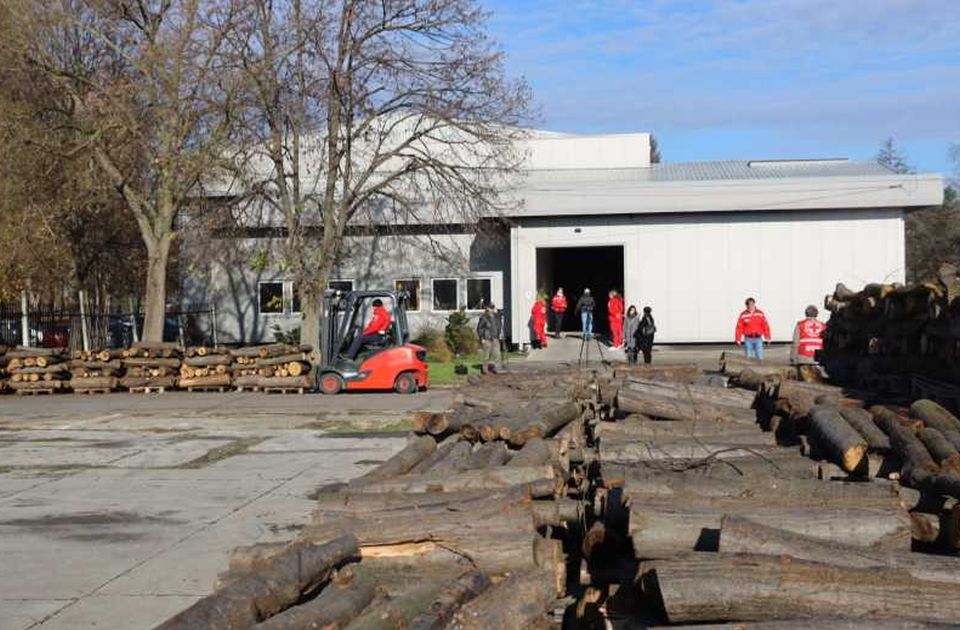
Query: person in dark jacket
[(645, 332), (631, 324), (488, 330), (585, 307)]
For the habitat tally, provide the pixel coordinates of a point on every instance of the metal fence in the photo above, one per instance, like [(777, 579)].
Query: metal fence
[(66, 327)]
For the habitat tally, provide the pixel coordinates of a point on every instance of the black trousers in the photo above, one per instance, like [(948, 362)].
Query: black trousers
[(359, 342), (646, 347), (556, 322)]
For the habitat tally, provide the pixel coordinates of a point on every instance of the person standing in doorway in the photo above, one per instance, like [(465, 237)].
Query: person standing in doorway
[(585, 307), (615, 318), (538, 316), (630, 330), (807, 338), (645, 332), (558, 308), (488, 330), (752, 329)]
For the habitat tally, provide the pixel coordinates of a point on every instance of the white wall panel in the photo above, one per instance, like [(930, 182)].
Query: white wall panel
[(696, 270)]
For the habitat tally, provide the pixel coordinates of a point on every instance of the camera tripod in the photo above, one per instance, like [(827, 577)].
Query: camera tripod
[(585, 349)]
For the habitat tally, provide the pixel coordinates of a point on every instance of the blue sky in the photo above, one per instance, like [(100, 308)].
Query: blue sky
[(744, 79)]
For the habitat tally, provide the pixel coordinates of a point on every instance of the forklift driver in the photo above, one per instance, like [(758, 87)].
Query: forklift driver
[(374, 333)]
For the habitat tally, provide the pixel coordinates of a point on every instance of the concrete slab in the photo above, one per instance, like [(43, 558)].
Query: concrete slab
[(117, 612), (20, 614)]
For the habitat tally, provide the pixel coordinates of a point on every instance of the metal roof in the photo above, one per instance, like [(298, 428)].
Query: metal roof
[(723, 170)]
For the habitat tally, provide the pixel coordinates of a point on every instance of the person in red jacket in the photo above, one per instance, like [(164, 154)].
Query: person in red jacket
[(807, 338), (538, 318), (615, 318), (375, 331), (752, 329), (558, 308)]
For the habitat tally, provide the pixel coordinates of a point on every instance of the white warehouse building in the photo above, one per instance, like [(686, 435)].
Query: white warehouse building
[(691, 240)]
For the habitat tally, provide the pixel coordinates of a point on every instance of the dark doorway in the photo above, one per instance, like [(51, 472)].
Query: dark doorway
[(576, 268)]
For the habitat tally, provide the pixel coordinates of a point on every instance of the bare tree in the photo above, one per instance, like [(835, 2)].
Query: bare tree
[(140, 88), (892, 156), (369, 114)]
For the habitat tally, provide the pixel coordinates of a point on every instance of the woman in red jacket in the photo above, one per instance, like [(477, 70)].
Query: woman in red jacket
[(558, 306), (538, 317), (615, 318)]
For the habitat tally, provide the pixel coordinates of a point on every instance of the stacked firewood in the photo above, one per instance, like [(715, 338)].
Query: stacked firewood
[(452, 531), (36, 370), (95, 371), (3, 368), (276, 366), (206, 368), (151, 366), (886, 330)]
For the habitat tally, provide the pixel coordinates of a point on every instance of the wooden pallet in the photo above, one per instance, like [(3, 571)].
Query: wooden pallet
[(147, 390), (34, 392), (247, 388), (92, 390), (284, 390), (211, 388)]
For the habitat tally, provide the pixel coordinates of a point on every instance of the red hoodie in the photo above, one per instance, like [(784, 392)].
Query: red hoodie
[(379, 323), (559, 303)]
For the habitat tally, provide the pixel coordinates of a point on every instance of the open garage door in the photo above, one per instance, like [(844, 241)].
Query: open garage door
[(576, 268)]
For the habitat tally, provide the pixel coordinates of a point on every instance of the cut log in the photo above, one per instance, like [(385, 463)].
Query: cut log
[(94, 382), (454, 458), (210, 380), (740, 535), (715, 587), (673, 408), (546, 420), (443, 449), (675, 372), (917, 461), (934, 415), (942, 450), (443, 481), (151, 362), (536, 452), (397, 612), (401, 462), (861, 420), (266, 591), (700, 393), (655, 451), (208, 360), (349, 593), (842, 444), (664, 529), (517, 603), (449, 600), (489, 455), (819, 623)]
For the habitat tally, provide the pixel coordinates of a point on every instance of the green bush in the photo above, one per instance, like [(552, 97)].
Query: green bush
[(291, 336), (461, 336), (436, 344)]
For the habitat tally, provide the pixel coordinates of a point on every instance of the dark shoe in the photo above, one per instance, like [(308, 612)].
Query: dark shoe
[(483, 369), (493, 370)]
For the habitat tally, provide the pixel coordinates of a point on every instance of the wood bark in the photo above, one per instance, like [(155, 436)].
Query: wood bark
[(401, 462), (211, 380), (443, 449), (449, 600), (941, 449), (489, 455), (443, 481), (716, 587), (700, 393), (94, 382), (741, 535), (151, 362), (267, 590), (546, 419), (673, 408), (842, 444), (820, 623), (397, 612), (917, 461), (861, 420), (208, 360), (347, 595), (517, 603), (664, 529), (934, 415), (679, 371), (454, 459)]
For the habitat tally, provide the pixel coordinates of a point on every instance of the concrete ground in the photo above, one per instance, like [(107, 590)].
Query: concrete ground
[(568, 350), (117, 511)]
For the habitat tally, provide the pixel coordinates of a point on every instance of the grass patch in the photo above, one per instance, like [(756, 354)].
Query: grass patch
[(445, 374), (220, 453)]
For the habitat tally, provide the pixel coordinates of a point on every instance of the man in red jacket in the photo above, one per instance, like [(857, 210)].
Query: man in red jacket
[(375, 332), (615, 318), (752, 329), (558, 307)]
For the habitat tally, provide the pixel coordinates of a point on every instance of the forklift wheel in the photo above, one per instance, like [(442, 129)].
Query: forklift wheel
[(331, 383), (406, 384)]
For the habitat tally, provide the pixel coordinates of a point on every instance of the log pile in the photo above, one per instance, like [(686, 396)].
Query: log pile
[(95, 371), (150, 367), (36, 370), (884, 334), (455, 530), (272, 367), (206, 368)]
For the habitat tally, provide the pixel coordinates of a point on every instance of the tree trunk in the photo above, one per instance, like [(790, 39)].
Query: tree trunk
[(156, 290), (861, 420), (718, 587), (311, 304), (934, 415), (740, 535), (841, 442), (518, 603), (342, 600), (451, 597)]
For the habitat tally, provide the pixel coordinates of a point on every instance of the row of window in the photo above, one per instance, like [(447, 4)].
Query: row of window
[(279, 296)]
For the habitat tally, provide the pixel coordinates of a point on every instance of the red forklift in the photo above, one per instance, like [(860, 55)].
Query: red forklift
[(390, 363)]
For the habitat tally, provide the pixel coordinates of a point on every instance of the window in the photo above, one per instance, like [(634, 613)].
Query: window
[(446, 294), (271, 297), (340, 285), (412, 287), (479, 292)]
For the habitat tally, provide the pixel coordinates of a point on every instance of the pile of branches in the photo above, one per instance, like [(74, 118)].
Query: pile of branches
[(888, 330)]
